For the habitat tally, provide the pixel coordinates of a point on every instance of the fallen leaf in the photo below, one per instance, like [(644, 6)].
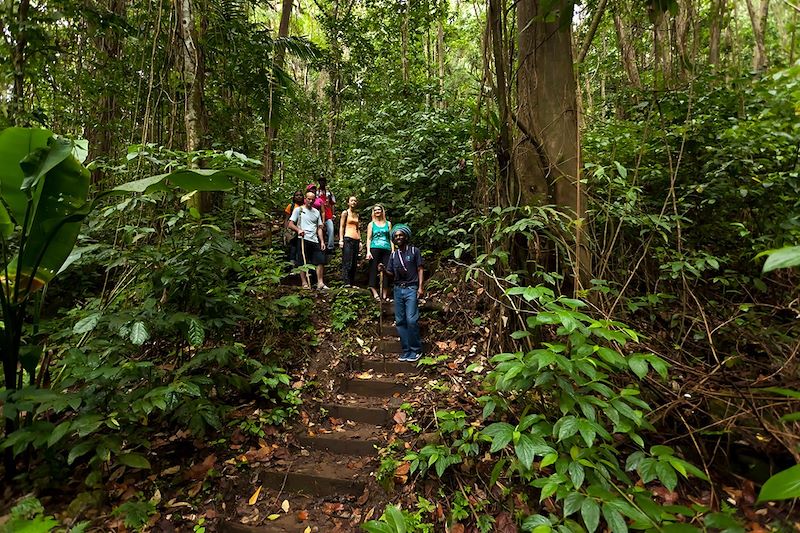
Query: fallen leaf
[(403, 469), (171, 470), (456, 528), (330, 508), (504, 523), (400, 417), (254, 498), (273, 516), (285, 506), (302, 516), (198, 471), (307, 529), (364, 375), (400, 428), (194, 489)]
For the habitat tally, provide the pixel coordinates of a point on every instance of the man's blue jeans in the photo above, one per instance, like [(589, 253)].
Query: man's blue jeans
[(406, 314), (329, 235)]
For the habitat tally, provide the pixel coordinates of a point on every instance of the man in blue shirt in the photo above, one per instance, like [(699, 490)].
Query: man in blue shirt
[(405, 269)]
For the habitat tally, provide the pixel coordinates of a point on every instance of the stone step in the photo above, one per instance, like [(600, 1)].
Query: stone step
[(360, 439), (269, 504), (390, 346), (390, 365), (357, 413), (317, 474), (373, 387)]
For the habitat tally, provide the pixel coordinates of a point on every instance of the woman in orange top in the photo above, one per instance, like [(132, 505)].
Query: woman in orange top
[(350, 241)]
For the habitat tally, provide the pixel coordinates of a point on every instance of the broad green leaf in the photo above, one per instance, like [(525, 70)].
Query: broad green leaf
[(615, 520), (782, 486), (373, 526), (139, 334), (81, 449), (525, 450), (572, 503), (86, 324), (196, 334), (576, 474), (590, 512), (638, 365), (59, 432), (134, 460), (567, 427), (667, 475), (786, 257), (188, 180), (6, 225), (501, 434), (15, 145), (38, 163), (395, 518), (59, 187)]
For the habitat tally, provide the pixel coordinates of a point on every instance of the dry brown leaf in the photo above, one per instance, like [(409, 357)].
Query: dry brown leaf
[(402, 469), (400, 417), (194, 489), (330, 508), (400, 428), (456, 528), (171, 470), (254, 498), (198, 471)]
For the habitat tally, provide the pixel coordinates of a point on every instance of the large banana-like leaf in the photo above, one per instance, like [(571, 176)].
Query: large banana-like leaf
[(15, 145), (59, 204), (188, 179)]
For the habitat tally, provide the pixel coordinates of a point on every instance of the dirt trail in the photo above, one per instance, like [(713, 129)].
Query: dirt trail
[(328, 481)]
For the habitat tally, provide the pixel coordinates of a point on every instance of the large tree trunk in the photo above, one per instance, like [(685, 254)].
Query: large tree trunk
[(17, 106), (662, 71), (547, 154), (271, 128), (717, 13), (495, 31), (683, 25), (627, 51), (758, 18), (193, 79), (100, 131)]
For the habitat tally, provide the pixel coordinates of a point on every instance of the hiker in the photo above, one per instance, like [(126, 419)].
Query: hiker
[(405, 269), (290, 237), (307, 222), (326, 204), (349, 241), (379, 246)]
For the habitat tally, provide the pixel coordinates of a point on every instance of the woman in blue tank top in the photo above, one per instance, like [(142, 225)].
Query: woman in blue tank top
[(379, 247)]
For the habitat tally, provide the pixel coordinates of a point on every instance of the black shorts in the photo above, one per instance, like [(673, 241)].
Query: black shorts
[(313, 253)]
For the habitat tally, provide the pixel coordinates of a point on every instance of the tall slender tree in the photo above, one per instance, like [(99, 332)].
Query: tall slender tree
[(271, 132), (547, 152)]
